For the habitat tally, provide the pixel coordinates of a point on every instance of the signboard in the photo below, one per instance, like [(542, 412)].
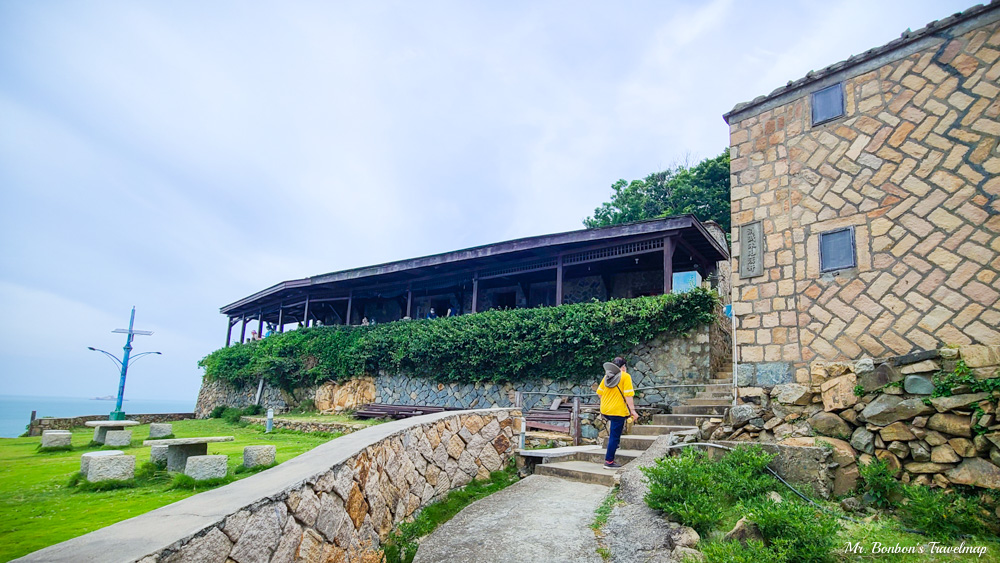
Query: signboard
[(751, 250)]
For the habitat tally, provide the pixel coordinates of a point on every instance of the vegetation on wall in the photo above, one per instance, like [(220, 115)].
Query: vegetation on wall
[(702, 190), (569, 343)]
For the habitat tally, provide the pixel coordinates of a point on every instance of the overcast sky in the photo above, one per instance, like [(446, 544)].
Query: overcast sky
[(178, 156)]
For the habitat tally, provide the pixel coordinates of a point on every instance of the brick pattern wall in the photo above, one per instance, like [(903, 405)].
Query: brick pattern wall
[(912, 167)]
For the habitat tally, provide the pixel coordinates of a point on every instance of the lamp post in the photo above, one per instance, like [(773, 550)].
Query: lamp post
[(125, 362)]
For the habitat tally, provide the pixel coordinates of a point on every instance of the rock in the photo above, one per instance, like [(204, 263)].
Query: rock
[(213, 546), (845, 479), (741, 414), (975, 471), (890, 459), (838, 394), (925, 366), (944, 454), (918, 384), (684, 536), (896, 431), (158, 455), (995, 456), (979, 355), (919, 422), (981, 443), (262, 532), (863, 440), (119, 438), (843, 453), (864, 365), (57, 438), (921, 480), (202, 467), (160, 430), (85, 458), (934, 438), (681, 553), (993, 437), (850, 504), (335, 397), (829, 424), (850, 416), (899, 449), (944, 404), (112, 467), (258, 455), (951, 424), (920, 451), (886, 409), (774, 497), (744, 530), (791, 394), (924, 467), (878, 378)]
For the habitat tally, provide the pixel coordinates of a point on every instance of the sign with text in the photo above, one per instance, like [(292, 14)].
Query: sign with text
[(751, 250)]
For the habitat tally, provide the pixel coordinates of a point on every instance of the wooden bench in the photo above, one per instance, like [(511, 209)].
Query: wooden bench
[(378, 410)]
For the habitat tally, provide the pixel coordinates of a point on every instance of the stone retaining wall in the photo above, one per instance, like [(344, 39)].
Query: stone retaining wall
[(38, 425), (306, 426), (337, 502), (661, 361)]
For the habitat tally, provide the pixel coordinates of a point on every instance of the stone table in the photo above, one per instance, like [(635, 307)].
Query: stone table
[(179, 449), (101, 427)]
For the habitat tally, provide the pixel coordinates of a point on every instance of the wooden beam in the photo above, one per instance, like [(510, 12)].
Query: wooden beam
[(559, 281), (668, 264)]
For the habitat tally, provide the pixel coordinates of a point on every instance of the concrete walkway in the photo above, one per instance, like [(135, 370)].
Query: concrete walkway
[(536, 519)]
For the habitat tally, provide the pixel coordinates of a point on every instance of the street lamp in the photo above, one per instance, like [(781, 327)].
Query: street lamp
[(125, 362)]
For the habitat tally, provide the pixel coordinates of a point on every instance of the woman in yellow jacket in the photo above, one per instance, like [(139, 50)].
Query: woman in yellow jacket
[(617, 405)]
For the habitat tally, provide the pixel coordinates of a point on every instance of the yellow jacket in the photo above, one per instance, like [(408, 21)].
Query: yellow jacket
[(613, 402)]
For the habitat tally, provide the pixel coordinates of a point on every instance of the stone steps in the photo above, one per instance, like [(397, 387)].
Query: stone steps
[(581, 471), (682, 419), (714, 410), (713, 395), (707, 402), (721, 381), (623, 456), (656, 429)]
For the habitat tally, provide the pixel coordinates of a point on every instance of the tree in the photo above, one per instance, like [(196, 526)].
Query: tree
[(702, 190)]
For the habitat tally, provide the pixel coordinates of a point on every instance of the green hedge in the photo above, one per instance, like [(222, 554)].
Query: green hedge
[(566, 343)]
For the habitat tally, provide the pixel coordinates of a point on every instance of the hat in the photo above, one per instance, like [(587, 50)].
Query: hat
[(612, 374)]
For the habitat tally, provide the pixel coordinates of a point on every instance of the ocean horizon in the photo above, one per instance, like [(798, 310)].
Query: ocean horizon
[(15, 410)]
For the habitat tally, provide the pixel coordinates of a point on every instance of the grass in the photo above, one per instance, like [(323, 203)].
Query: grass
[(401, 547), (337, 418), (601, 514), (38, 507)]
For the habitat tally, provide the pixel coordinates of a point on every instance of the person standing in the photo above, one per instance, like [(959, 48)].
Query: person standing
[(617, 405)]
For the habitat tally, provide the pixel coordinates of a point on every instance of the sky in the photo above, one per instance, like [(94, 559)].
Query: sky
[(179, 156)]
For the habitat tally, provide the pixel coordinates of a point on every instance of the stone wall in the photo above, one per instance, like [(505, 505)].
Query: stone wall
[(884, 409), (662, 361), (37, 426), (337, 502), (911, 167), (305, 425)]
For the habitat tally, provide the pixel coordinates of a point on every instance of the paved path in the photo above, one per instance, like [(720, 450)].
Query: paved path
[(536, 519)]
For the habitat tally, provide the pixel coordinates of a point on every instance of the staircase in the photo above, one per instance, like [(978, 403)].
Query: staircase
[(585, 464)]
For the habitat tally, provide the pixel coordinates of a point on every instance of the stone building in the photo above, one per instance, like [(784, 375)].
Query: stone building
[(866, 205)]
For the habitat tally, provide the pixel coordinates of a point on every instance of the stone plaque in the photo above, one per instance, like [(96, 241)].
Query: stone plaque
[(751, 250)]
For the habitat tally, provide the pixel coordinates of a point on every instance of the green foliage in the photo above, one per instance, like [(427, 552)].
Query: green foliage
[(943, 515), (802, 531), (734, 552), (859, 390), (401, 546), (164, 437), (878, 482), (566, 343), (107, 485), (695, 491), (962, 376), (253, 410), (604, 510), (40, 449), (217, 411), (306, 406), (702, 190), (186, 482), (242, 469)]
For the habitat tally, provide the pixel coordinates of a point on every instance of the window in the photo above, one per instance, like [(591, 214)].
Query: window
[(836, 250), (827, 104), (505, 300)]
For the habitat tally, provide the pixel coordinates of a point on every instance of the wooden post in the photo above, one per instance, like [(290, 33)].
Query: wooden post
[(475, 294), (260, 324), (243, 331), (518, 399), (229, 330), (559, 281), (350, 303), (305, 314), (668, 265), (409, 301), (576, 421), (281, 317)]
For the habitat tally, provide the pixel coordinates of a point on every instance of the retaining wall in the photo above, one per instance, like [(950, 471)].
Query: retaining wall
[(36, 426), (337, 502)]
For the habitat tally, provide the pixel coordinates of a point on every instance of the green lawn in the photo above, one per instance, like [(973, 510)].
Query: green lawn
[(38, 509)]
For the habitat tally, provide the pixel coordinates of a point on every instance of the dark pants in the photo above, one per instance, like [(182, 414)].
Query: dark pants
[(615, 426)]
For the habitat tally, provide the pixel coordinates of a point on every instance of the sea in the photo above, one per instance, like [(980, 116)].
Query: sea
[(15, 411)]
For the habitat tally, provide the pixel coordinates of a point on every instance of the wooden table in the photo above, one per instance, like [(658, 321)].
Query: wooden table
[(101, 427), (179, 449)]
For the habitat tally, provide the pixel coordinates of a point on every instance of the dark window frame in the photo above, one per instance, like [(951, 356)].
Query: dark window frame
[(812, 104), (854, 250)]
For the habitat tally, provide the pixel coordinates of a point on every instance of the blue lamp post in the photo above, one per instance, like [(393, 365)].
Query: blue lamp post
[(125, 362)]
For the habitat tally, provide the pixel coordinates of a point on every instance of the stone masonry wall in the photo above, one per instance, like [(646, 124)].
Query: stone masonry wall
[(37, 426), (912, 167), (337, 502)]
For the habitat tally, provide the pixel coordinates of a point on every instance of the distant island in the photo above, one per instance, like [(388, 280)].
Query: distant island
[(106, 398)]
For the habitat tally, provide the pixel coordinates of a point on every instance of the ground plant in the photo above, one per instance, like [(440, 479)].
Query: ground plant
[(562, 343), (878, 483)]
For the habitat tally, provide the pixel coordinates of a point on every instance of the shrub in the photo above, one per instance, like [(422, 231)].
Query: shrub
[(217, 411), (563, 343), (232, 415), (942, 515), (742, 473), (804, 532), (734, 552), (253, 410), (878, 483)]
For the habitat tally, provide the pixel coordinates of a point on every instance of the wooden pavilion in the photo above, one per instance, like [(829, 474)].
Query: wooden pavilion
[(620, 261)]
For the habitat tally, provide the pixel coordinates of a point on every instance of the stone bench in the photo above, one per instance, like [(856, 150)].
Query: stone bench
[(203, 467), (111, 467), (85, 458), (160, 429), (120, 438), (180, 449), (101, 427), (57, 438), (258, 455)]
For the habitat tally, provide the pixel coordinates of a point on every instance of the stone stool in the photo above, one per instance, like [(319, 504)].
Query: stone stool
[(160, 430), (202, 467), (116, 467), (158, 455), (258, 455), (118, 438), (85, 458), (56, 438)]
